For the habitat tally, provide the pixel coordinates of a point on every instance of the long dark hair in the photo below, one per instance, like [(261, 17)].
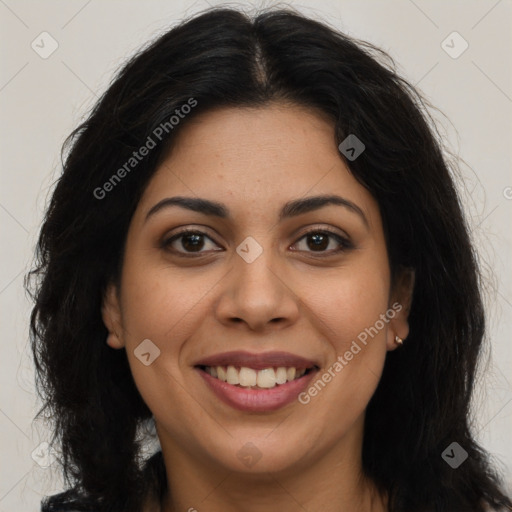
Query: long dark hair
[(225, 58)]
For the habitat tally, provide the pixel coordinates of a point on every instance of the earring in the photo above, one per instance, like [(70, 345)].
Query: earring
[(399, 341)]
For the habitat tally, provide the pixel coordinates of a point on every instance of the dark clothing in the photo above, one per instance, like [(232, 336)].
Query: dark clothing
[(73, 500)]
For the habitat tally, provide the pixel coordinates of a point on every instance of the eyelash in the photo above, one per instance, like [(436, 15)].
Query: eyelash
[(344, 243)]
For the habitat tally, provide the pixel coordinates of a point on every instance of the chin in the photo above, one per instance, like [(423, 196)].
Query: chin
[(253, 454)]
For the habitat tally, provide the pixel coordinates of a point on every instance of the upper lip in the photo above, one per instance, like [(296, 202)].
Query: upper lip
[(256, 361)]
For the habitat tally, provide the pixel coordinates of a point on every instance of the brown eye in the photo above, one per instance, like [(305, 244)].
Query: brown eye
[(322, 241), (193, 242), (188, 241), (317, 241)]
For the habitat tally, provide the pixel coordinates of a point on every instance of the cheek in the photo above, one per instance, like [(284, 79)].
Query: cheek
[(165, 305), (349, 301), (356, 313), (349, 306), (161, 302), (162, 307)]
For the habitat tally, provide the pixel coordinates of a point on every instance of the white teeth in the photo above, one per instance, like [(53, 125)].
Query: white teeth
[(281, 374), (232, 375), (267, 378), (221, 373), (248, 377)]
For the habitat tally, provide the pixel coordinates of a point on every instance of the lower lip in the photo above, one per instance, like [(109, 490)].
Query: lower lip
[(257, 400)]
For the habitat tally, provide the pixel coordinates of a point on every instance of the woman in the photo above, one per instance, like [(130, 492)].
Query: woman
[(257, 248)]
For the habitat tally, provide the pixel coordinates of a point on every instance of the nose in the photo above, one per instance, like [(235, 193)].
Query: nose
[(257, 296)]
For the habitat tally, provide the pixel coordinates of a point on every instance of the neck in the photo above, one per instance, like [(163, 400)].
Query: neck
[(233, 494), (332, 482)]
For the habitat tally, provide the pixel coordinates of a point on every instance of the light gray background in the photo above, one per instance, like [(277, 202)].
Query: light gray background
[(42, 100)]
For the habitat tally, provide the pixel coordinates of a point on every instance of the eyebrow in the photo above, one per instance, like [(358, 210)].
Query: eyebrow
[(290, 209)]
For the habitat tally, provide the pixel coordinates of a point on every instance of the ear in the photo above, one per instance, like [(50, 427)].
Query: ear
[(111, 314), (400, 304)]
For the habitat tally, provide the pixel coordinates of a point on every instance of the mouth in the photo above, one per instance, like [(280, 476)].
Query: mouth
[(256, 382), (250, 378)]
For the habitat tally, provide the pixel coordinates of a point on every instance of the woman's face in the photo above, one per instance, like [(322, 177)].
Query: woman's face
[(249, 282)]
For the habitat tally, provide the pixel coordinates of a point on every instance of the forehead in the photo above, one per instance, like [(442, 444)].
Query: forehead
[(272, 137), (259, 156)]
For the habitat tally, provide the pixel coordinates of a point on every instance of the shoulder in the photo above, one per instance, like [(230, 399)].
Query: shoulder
[(72, 500)]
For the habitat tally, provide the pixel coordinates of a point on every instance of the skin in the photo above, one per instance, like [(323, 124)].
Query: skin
[(292, 298)]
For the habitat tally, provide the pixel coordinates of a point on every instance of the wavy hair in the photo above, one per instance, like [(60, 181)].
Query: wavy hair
[(226, 58)]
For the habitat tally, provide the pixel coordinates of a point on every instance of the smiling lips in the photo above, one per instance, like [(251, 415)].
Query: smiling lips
[(249, 378), (256, 382)]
